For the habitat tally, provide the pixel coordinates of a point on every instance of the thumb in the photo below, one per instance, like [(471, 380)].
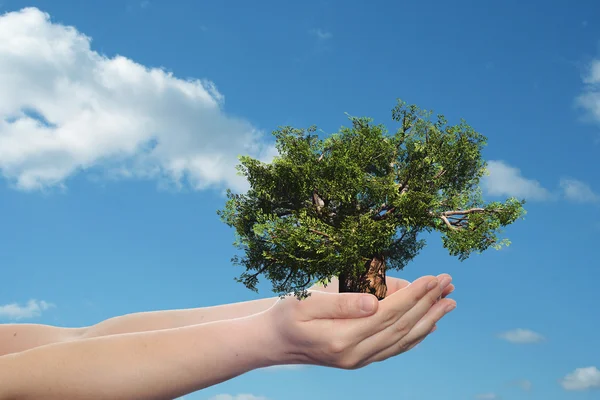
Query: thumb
[(341, 305)]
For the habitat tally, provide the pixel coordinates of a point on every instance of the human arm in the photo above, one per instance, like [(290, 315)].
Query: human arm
[(154, 320), (326, 329), (19, 337), (153, 365), (15, 338)]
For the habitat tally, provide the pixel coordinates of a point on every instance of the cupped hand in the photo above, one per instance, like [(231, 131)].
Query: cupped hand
[(393, 285), (352, 330)]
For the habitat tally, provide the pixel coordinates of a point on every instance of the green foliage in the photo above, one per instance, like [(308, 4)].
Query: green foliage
[(323, 207)]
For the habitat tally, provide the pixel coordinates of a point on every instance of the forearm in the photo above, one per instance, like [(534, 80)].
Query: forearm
[(156, 320), (167, 319), (20, 337), (150, 365)]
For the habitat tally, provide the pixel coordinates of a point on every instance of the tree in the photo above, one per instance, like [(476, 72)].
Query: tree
[(355, 203)]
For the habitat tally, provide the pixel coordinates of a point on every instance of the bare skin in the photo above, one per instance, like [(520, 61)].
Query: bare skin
[(19, 337), (166, 354)]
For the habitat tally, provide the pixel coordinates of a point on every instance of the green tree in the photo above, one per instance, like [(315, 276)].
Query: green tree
[(355, 203)]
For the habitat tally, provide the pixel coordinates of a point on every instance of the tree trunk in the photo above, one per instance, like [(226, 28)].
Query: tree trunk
[(372, 280)]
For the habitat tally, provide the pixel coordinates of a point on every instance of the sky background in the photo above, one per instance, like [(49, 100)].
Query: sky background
[(121, 121)]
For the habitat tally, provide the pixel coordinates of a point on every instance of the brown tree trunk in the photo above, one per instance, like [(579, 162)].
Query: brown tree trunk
[(372, 280)]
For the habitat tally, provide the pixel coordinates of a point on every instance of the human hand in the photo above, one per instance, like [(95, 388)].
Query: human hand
[(333, 330), (393, 285)]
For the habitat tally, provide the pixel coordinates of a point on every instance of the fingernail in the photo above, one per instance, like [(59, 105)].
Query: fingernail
[(432, 284), (367, 303), (445, 282), (450, 307)]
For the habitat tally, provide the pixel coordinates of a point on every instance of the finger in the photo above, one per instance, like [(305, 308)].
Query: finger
[(445, 282), (395, 323), (426, 324), (322, 305), (412, 317), (404, 299), (389, 311), (423, 329), (449, 289), (418, 342), (445, 285), (395, 284), (382, 356)]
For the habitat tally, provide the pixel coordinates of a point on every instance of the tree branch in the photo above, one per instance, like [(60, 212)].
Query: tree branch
[(461, 219), (401, 238), (459, 223), (439, 174), (287, 278), (464, 212), (406, 124), (448, 223), (321, 233), (307, 280), (260, 271), (388, 212), (381, 208)]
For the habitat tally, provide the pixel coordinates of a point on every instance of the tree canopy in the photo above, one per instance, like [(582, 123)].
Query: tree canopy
[(325, 207)]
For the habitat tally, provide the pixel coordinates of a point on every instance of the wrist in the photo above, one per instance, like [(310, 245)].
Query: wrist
[(256, 342), (276, 348)]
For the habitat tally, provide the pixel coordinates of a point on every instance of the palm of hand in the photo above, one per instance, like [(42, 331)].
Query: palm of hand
[(333, 330)]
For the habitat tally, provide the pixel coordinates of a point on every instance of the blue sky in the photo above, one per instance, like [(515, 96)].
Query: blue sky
[(109, 206)]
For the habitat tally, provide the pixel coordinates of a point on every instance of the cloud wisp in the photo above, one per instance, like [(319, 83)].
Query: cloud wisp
[(504, 180), (589, 99), (487, 396), (523, 384), (32, 309), (521, 336), (577, 191), (321, 34)]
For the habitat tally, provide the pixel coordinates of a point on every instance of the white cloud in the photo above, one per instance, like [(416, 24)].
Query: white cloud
[(238, 397), (32, 309), (321, 34), (521, 336), (487, 396), (593, 74), (589, 99), (64, 108), (582, 379), (578, 191), (504, 180)]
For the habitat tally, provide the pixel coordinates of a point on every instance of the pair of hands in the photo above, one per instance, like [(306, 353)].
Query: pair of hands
[(352, 330)]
